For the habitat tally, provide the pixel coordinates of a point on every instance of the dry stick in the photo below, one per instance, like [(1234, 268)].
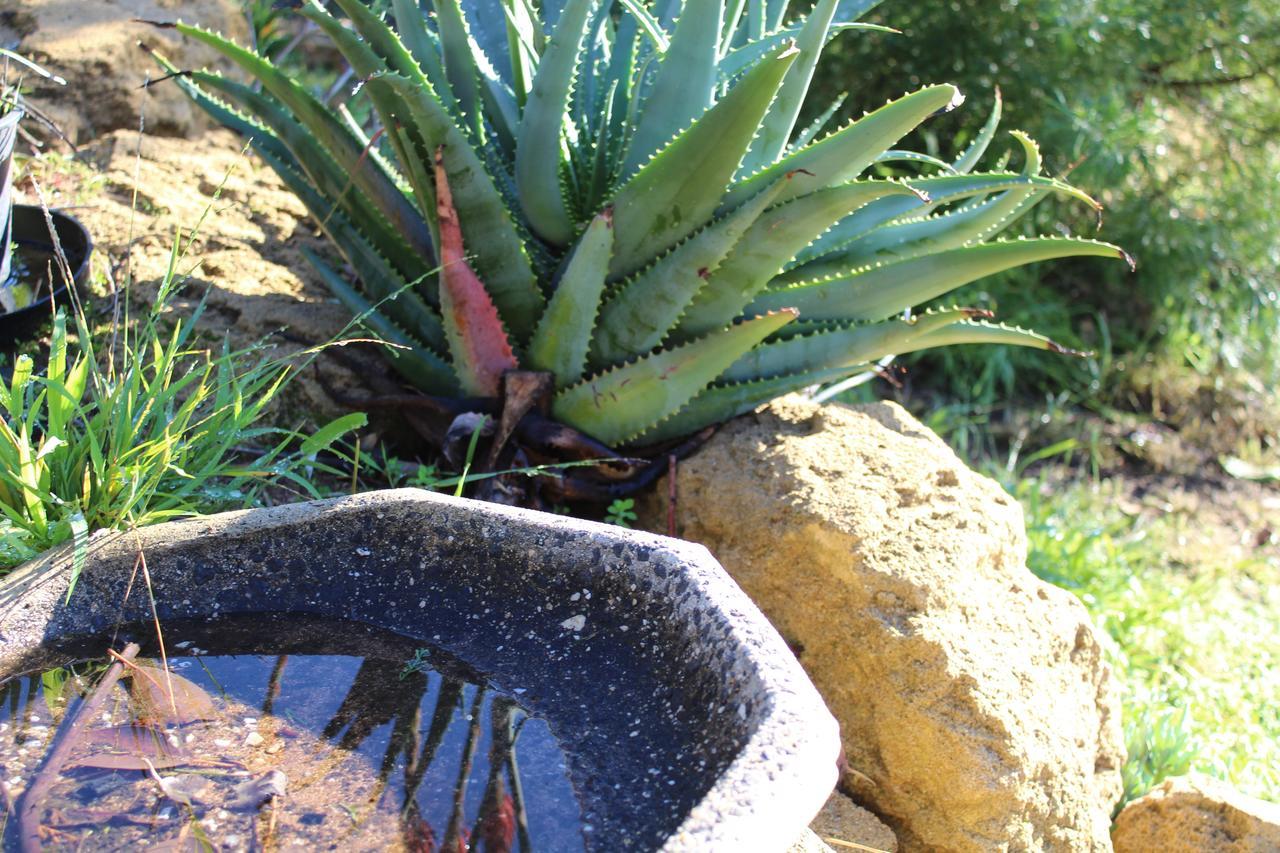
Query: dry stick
[(155, 616), (852, 845), (517, 796), (33, 797), (453, 832)]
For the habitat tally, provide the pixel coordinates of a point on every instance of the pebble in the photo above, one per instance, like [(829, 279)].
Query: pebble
[(254, 739)]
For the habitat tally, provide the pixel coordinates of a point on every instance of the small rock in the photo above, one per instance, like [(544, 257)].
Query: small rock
[(252, 793), (1190, 814), (254, 739), (844, 820)]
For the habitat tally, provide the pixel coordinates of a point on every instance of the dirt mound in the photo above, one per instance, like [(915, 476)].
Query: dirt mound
[(95, 47), (135, 193)]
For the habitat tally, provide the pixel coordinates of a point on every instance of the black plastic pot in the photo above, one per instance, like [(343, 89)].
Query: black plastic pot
[(31, 229)]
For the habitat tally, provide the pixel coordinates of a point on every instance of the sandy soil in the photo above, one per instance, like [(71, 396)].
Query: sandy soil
[(135, 193)]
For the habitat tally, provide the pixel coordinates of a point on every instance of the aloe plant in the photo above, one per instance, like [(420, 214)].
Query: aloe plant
[(619, 194)]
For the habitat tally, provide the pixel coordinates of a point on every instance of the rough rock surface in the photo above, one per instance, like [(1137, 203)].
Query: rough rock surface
[(809, 842), (94, 45), (976, 710), (844, 820), (1193, 814)]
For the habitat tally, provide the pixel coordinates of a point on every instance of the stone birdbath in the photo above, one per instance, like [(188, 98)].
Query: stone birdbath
[(686, 721)]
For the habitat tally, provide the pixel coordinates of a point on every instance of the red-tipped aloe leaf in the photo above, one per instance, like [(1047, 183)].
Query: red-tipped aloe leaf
[(477, 341)]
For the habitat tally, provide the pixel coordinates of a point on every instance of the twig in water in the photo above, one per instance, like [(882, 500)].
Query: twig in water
[(32, 798)]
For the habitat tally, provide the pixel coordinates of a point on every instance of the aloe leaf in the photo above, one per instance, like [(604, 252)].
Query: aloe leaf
[(477, 341), (956, 228), (773, 239), (743, 57), (730, 31), (819, 124), (380, 280), (642, 312), (619, 404), (852, 10), (648, 24), (411, 23), (719, 403), (826, 255), (488, 24), (564, 332), (843, 155), (969, 158), (380, 38), (685, 83), (331, 133), (326, 175), (459, 62), (843, 346), (497, 98), (418, 365), (755, 20), (365, 62), (898, 156), (881, 291), (775, 131), (372, 267), (775, 12), (979, 332), (541, 125), (682, 185), (500, 258)]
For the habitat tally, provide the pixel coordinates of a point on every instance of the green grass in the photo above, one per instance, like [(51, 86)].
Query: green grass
[(1197, 651), (141, 423)]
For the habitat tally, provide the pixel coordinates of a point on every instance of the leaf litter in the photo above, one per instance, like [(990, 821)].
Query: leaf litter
[(226, 784)]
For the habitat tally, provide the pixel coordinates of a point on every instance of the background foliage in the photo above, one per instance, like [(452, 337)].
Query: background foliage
[(1166, 110)]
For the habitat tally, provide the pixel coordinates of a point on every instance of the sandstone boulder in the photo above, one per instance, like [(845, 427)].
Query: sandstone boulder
[(1194, 814), (976, 710), (94, 45)]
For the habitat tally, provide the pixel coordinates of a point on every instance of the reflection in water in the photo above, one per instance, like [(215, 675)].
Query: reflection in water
[(377, 755)]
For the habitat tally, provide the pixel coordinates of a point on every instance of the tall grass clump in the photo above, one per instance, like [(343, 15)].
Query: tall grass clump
[(141, 424)]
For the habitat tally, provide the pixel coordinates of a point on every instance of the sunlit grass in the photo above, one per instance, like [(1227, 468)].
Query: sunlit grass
[(1197, 650)]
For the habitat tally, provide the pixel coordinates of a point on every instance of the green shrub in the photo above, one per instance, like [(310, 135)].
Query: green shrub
[(1169, 110)]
